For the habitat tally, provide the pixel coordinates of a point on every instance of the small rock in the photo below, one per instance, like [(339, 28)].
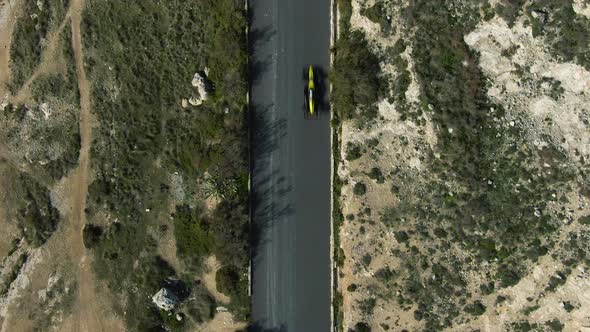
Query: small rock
[(195, 101), (44, 108)]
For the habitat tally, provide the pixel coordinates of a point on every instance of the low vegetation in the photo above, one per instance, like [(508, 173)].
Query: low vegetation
[(31, 33), (141, 58), (356, 80), (456, 202)]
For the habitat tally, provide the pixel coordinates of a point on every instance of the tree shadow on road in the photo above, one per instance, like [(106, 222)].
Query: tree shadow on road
[(256, 39), (257, 327), (267, 188)]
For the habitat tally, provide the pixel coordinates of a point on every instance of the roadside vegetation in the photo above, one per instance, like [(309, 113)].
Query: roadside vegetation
[(141, 58), (458, 204), (355, 75)]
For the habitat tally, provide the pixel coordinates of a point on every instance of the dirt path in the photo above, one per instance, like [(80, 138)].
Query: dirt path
[(86, 316)]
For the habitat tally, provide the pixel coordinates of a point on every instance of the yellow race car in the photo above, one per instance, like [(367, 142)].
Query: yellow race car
[(309, 96)]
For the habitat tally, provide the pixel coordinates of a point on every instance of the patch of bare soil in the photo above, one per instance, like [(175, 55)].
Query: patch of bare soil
[(87, 316), (223, 322), (211, 267)]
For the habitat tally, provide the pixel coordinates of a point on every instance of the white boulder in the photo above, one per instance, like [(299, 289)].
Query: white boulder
[(165, 299)]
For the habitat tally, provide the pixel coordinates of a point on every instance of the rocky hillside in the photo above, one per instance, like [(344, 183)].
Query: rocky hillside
[(123, 166), (464, 175)]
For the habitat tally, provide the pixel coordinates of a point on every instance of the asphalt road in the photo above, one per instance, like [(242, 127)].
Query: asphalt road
[(290, 166)]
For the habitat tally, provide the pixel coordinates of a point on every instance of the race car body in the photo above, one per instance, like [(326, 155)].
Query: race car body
[(310, 92)]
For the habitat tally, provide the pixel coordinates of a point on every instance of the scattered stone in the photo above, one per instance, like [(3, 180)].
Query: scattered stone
[(195, 101)]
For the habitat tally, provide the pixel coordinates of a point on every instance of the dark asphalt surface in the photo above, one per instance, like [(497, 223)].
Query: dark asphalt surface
[(290, 167)]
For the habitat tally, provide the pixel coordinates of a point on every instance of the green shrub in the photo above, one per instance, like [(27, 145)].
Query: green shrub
[(362, 327), (385, 274), (193, 241), (227, 279), (37, 218), (367, 306), (359, 189), (91, 235), (376, 175), (567, 305), (402, 236), (353, 152), (475, 309), (355, 77), (555, 325), (584, 220)]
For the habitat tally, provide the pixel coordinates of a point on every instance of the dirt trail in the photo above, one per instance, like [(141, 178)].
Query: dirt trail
[(86, 316)]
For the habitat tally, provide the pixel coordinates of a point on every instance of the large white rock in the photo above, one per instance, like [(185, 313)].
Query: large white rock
[(199, 82), (165, 299)]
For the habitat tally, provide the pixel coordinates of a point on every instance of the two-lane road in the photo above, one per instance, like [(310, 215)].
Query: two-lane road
[(290, 167)]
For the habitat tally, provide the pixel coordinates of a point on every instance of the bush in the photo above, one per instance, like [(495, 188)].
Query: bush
[(376, 175), (193, 241), (353, 152), (362, 327), (367, 306), (91, 235), (355, 77), (227, 279), (475, 309), (359, 189), (37, 218), (555, 325)]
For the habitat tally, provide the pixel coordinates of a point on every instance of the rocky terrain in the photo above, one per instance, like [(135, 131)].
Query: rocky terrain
[(463, 175), (123, 164)]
